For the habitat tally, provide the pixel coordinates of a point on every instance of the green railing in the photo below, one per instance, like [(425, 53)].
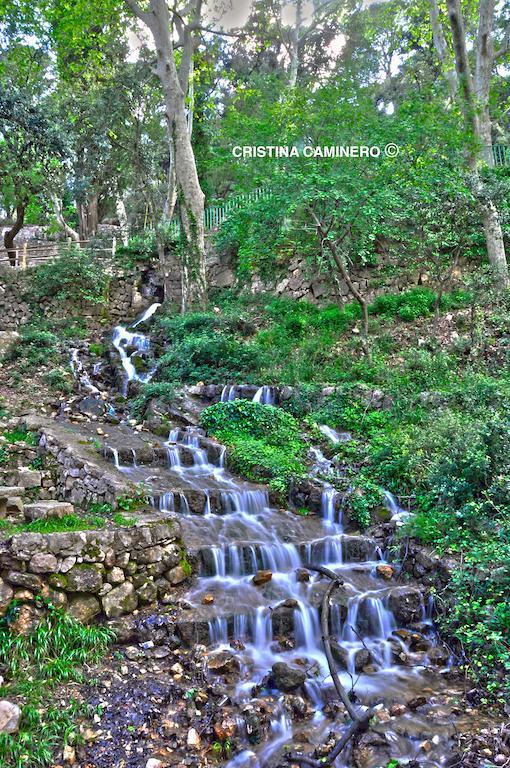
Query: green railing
[(499, 153), (215, 215)]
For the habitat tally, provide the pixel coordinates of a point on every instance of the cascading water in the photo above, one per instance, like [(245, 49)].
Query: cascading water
[(252, 571), (265, 395), (128, 343)]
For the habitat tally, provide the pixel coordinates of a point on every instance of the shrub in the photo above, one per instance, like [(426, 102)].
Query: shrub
[(160, 390), (265, 442), (209, 357), (75, 277)]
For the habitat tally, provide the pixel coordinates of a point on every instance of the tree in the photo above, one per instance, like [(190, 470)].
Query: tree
[(31, 150), (474, 95), (184, 185)]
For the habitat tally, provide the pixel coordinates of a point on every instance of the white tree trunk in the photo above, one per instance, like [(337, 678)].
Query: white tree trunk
[(187, 185), (441, 47)]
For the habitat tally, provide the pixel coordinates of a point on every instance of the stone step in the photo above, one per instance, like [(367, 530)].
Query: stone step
[(246, 557), (224, 619), (158, 455), (42, 510), (6, 491)]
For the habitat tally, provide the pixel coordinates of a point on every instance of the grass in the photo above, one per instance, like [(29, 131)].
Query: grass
[(55, 651)]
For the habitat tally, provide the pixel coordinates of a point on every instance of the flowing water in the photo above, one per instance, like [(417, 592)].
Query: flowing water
[(237, 535), (129, 344)]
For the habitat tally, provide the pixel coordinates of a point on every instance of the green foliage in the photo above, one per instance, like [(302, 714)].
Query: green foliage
[(208, 357), (20, 435), (34, 348), (417, 302), (33, 664), (265, 442), (156, 390), (76, 276), (59, 380)]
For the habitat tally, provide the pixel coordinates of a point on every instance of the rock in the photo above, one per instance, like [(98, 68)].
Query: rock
[(153, 762), (223, 663), (24, 580), (42, 510), (84, 608), (208, 600), (226, 729), (29, 478), (92, 406), (176, 575), (43, 562), (116, 576), (406, 604), (6, 595), (397, 710), (302, 574), (193, 740), (120, 600), (341, 655), (262, 577), (438, 655), (69, 755), (287, 678), (10, 715), (385, 571), (417, 702), (282, 618), (83, 578)]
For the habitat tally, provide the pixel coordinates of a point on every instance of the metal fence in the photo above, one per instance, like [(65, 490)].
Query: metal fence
[(27, 255)]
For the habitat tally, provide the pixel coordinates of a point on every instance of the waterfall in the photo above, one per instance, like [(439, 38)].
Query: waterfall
[(123, 340), (264, 395)]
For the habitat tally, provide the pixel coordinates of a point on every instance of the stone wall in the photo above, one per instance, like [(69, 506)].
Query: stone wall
[(128, 295), (108, 571)]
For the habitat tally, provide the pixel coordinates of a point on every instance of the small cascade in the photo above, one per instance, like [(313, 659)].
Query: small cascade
[(328, 504), (80, 374), (128, 344), (332, 434), (228, 393), (398, 515), (265, 395)]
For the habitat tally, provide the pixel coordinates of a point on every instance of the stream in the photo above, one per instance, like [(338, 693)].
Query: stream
[(253, 598)]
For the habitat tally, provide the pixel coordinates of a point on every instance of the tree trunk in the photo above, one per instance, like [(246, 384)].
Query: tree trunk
[(11, 233), (475, 102), (59, 215), (294, 45), (88, 214), (188, 191), (441, 47), (120, 209)]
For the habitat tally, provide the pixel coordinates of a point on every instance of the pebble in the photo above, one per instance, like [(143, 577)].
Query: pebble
[(193, 739), (69, 755)]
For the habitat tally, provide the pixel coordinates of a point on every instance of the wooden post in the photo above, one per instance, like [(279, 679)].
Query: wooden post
[(114, 246), (24, 255)]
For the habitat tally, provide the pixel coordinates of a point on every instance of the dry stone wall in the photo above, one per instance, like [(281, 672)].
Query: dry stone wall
[(110, 572)]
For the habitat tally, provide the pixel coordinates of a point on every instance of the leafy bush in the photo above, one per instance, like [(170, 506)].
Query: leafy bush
[(75, 277), (34, 347), (265, 442), (160, 390), (209, 357)]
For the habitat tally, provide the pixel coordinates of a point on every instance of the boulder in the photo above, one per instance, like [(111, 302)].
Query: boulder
[(43, 562), (223, 663), (287, 678), (6, 595), (121, 600), (176, 575), (10, 715), (83, 578), (385, 571), (262, 577), (406, 604), (42, 510), (84, 608), (341, 656)]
